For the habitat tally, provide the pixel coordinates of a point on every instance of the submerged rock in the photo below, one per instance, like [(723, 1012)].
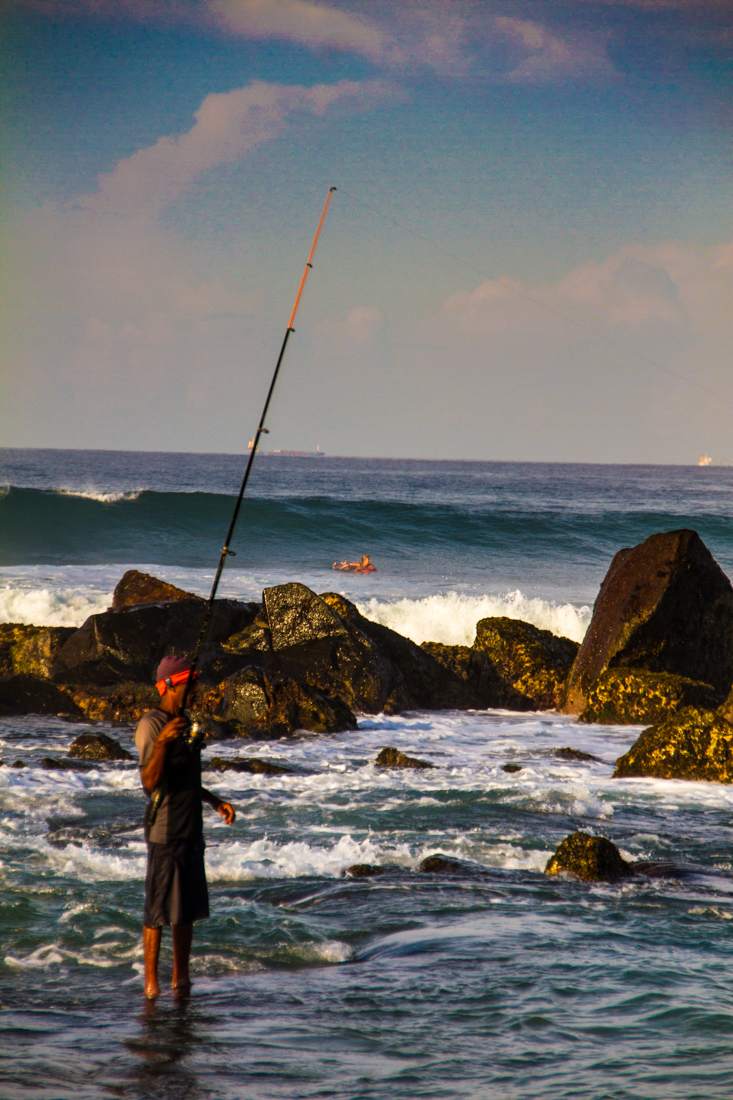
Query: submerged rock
[(533, 663), (262, 703), (245, 764), (664, 606), (27, 695), (53, 764), (135, 588), (444, 865), (97, 746), (635, 697), (364, 870), (567, 753), (392, 758), (589, 858), (694, 744), (511, 768)]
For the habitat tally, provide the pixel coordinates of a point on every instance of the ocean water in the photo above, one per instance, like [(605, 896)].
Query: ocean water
[(309, 984)]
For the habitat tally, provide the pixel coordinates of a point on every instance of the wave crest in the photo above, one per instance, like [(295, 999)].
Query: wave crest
[(451, 618)]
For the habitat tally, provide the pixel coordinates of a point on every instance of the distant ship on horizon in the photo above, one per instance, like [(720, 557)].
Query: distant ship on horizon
[(318, 453), (705, 460)]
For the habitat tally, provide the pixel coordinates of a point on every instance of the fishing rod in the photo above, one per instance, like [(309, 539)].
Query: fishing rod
[(194, 734)]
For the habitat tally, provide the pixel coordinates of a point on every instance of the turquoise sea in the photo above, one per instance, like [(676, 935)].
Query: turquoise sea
[(501, 984)]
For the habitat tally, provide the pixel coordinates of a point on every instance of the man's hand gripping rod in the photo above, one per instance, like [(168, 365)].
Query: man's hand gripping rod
[(226, 552)]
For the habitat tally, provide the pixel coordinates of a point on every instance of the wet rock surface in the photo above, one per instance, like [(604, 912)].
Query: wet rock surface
[(390, 757), (589, 858), (664, 606), (445, 865), (28, 695), (694, 744), (135, 588), (123, 704), (249, 764), (364, 870), (54, 764), (261, 703), (532, 663), (30, 650), (97, 746), (630, 697), (511, 768), (482, 683), (566, 753)]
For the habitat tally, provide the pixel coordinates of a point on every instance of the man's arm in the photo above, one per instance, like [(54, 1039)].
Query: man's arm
[(152, 772), (224, 808)]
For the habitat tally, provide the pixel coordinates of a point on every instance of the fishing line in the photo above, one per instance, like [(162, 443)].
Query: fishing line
[(536, 301)]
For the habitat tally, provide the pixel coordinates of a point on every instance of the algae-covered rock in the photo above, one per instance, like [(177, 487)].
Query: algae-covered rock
[(664, 606), (28, 695), (262, 703), (590, 858), (482, 681), (390, 757), (135, 588), (121, 703), (427, 682), (534, 663), (693, 744), (636, 697), (97, 746), (30, 650)]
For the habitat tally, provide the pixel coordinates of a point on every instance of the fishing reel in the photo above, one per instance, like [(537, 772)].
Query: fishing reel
[(193, 735)]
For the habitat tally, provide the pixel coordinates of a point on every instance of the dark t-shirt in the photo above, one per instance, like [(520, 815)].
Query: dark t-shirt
[(179, 814)]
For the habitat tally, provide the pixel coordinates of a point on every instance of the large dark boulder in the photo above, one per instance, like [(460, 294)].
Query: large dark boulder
[(121, 646), (626, 696), (589, 858), (431, 683), (135, 588), (263, 703), (664, 606), (30, 650), (27, 695), (532, 663), (482, 682), (694, 744), (121, 703), (312, 644)]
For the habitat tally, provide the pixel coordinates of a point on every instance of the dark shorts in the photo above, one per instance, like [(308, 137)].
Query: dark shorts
[(175, 884)]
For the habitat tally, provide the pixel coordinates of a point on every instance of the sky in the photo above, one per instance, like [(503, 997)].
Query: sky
[(529, 256)]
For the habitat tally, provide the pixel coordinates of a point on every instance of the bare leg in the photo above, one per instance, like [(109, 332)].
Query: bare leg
[(182, 936), (151, 950)]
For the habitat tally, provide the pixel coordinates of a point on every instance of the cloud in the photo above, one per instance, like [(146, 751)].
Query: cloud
[(545, 57), (359, 329), (314, 25), (227, 125)]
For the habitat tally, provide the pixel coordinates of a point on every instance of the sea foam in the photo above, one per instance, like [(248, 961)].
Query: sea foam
[(451, 618), (47, 606)]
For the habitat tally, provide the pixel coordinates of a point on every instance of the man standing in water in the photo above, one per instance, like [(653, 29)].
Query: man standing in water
[(175, 884)]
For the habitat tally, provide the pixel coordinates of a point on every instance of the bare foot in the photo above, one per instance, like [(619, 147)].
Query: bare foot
[(181, 989), (152, 991)]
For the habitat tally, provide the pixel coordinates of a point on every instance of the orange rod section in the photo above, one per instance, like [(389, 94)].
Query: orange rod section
[(309, 265)]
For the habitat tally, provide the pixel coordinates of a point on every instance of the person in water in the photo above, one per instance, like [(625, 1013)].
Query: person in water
[(175, 884), (363, 566)]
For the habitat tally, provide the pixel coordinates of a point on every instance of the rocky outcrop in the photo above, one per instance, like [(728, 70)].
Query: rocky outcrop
[(97, 746), (589, 858), (694, 744), (635, 697), (260, 703), (664, 606), (135, 588), (121, 646), (30, 650), (390, 757), (445, 865), (122, 704), (532, 663), (27, 695), (566, 753), (430, 683), (484, 686)]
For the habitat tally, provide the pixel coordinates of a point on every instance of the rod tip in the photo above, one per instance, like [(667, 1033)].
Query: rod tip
[(333, 189)]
